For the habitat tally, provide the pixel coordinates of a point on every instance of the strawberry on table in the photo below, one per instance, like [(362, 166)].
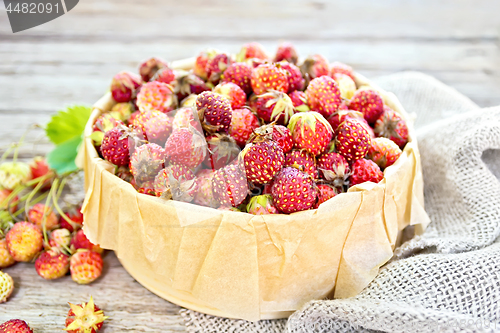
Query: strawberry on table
[(84, 318), (24, 241), (6, 258), (85, 266), (52, 265), (80, 241), (40, 214), (15, 326)]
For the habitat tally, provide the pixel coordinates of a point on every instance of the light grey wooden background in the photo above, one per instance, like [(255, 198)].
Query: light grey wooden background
[(72, 59)]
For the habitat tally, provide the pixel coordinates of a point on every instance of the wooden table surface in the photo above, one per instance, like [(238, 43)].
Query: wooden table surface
[(72, 59)]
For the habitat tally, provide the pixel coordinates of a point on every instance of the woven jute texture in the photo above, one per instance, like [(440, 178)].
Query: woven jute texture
[(447, 280)]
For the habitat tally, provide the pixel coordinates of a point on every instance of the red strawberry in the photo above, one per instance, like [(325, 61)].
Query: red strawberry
[(187, 83), (274, 106), (41, 215), (251, 50), (6, 259), (103, 124), (4, 195), (299, 100), (325, 192), (269, 77), (239, 73), (243, 123), (347, 86), (261, 205), (150, 67), (295, 79), (302, 159), (233, 93), (287, 52), (147, 188), (24, 241), (52, 265), (222, 150), (162, 186), (85, 266), (229, 185), (124, 86), (204, 196), (334, 168), (365, 171), (165, 75), (76, 217), (278, 133), (216, 66), (116, 145), (146, 161), (40, 168), (187, 147), (155, 125), (323, 95), (262, 161), (185, 117), (390, 125), (15, 326), (215, 110), (293, 191), (315, 66), (157, 96), (84, 318), (384, 152), (80, 241), (368, 102), (310, 131), (353, 140), (341, 68), (341, 115), (200, 64)]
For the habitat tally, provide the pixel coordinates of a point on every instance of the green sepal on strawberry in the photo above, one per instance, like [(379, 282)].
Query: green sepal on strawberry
[(274, 106), (261, 205)]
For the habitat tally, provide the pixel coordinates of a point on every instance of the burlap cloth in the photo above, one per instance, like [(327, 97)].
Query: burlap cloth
[(447, 280)]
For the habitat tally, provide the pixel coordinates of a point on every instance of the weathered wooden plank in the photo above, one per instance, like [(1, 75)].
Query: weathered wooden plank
[(131, 307)]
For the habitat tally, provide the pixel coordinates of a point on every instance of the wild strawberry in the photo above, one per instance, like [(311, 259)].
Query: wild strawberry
[(165, 75), (215, 110), (200, 64), (59, 240), (204, 196), (147, 188), (323, 95), (286, 51), (251, 50), (6, 288), (187, 83), (52, 265), (269, 77), (103, 124), (15, 326), (146, 161), (176, 182), (187, 147), (155, 125), (24, 241), (302, 159), (334, 168), (295, 79), (262, 161), (353, 140), (76, 217), (261, 205), (368, 102), (390, 125), (6, 259), (116, 145), (14, 174), (278, 133), (293, 190), (299, 100), (40, 168), (346, 85), (85, 266), (229, 185), (148, 68), (222, 150), (365, 171), (325, 192), (185, 117), (122, 111), (41, 215), (243, 123), (4, 203), (341, 115), (310, 131), (124, 86), (134, 115), (274, 106), (216, 66), (315, 66), (341, 68), (239, 73), (233, 93), (80, 241), (157, 96), (384, 152), (84, 318)]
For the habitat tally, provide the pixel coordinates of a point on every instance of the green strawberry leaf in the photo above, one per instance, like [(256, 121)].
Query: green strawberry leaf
[(62, 157), (68, 124)]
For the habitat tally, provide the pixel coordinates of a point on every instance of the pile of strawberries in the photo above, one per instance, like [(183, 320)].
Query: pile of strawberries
[(248, 132)]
